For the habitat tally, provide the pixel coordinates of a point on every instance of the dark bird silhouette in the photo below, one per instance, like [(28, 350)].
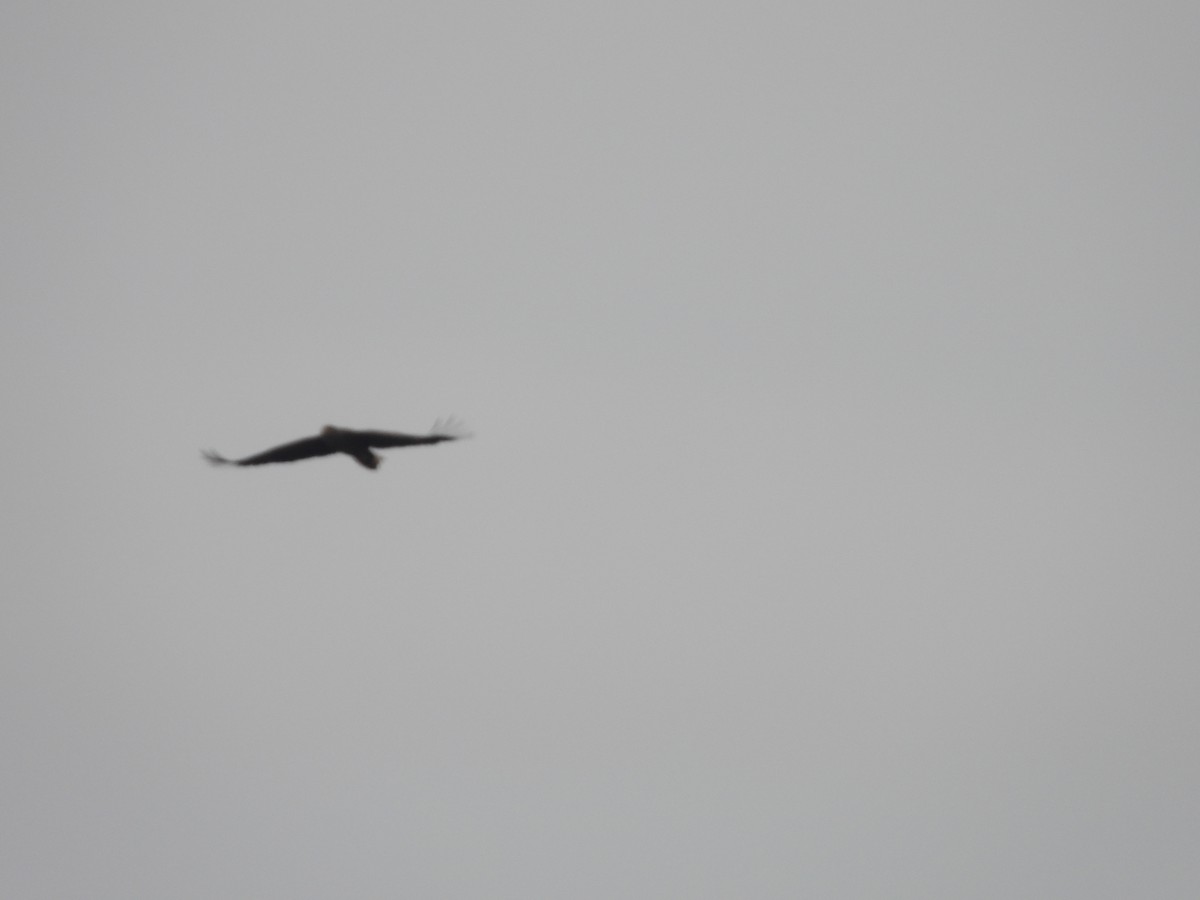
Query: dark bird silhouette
[(356, 444)]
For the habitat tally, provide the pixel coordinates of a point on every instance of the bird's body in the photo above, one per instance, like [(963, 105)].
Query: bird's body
[(356, 444)]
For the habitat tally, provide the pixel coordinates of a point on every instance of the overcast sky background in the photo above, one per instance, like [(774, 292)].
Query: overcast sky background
[(830, 528)]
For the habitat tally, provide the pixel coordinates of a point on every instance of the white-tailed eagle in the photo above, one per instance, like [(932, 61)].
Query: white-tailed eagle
[(357, 444)]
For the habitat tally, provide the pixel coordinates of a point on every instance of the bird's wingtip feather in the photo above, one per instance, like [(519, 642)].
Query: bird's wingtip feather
[(451, 428), (215, 458)]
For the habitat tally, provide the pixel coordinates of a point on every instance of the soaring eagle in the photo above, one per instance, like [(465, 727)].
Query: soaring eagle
[(353, 443)]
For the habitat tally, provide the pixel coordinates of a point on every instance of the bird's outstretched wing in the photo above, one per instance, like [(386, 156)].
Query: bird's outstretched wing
[(443, 430), (301, 449)]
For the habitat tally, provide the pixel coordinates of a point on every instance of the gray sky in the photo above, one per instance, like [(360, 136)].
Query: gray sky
[(830, 529)]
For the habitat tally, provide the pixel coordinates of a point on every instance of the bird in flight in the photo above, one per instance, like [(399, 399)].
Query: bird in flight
[(356, 444)]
